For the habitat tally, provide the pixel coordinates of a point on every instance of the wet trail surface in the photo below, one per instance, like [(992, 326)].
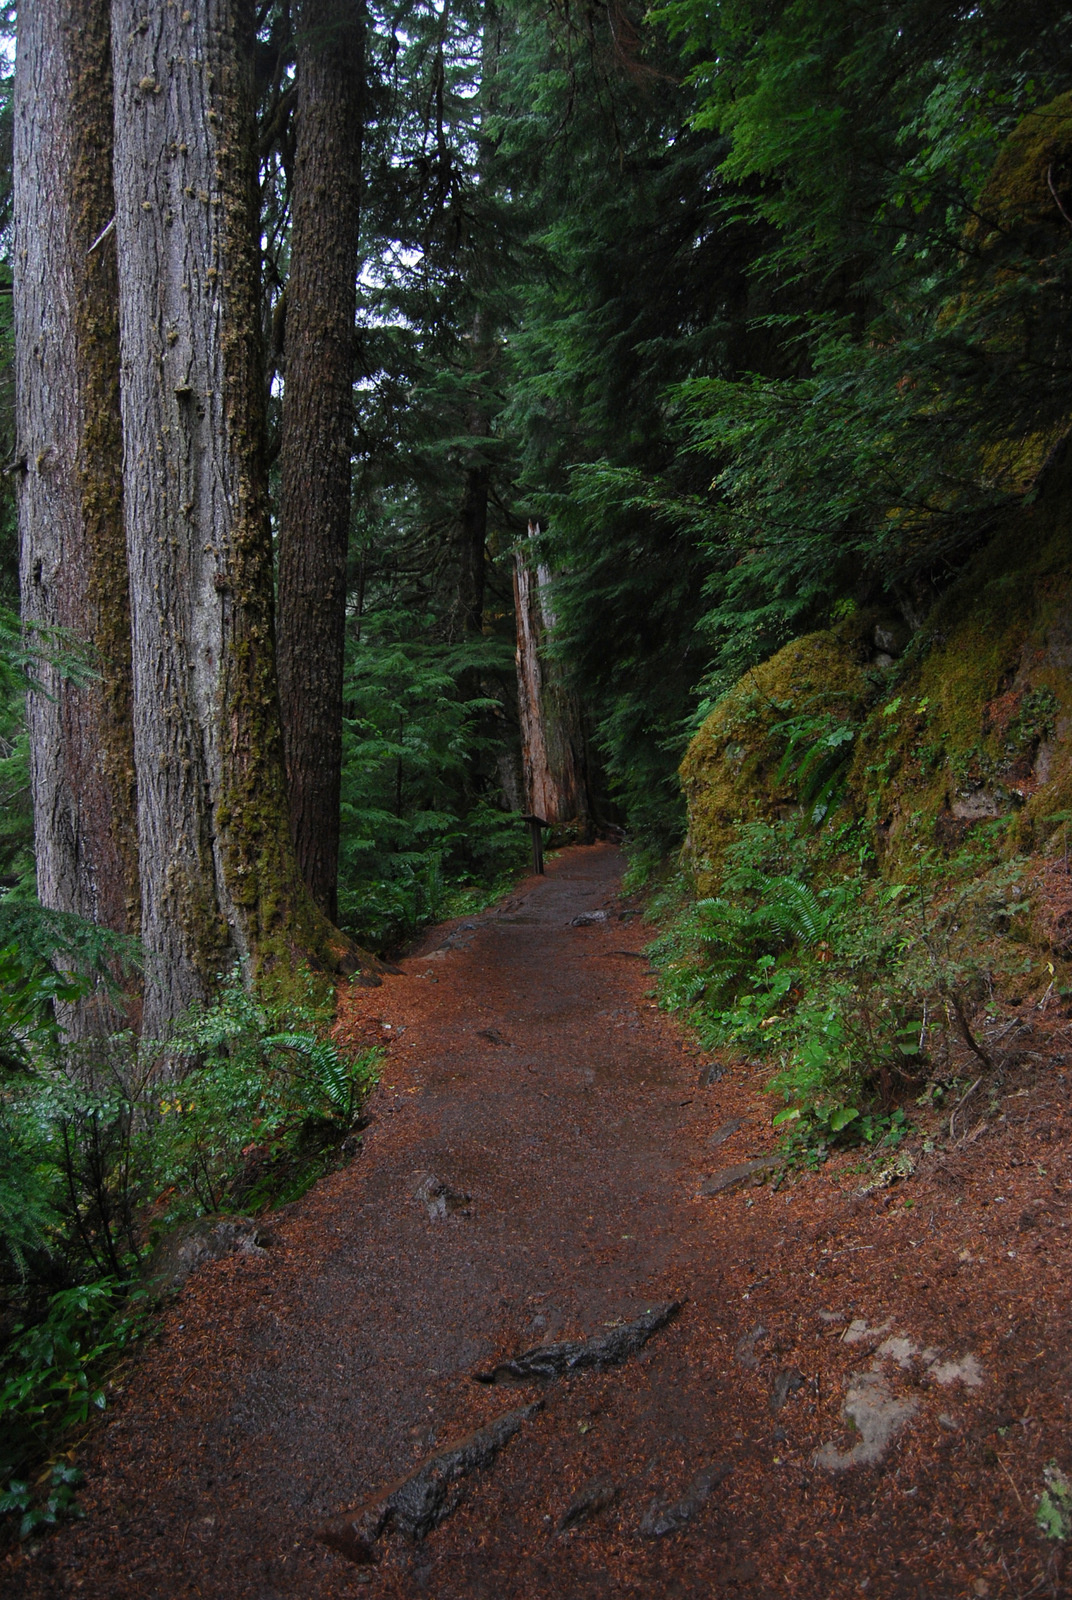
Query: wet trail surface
[(531, 1175), (537, 1080)]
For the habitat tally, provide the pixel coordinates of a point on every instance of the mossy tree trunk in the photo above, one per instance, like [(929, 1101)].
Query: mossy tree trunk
[(72, 551), (318, 425), (218, 876)]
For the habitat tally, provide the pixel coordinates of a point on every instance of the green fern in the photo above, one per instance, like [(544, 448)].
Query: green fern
[(795, 912), (817, 759), (342, 1081)]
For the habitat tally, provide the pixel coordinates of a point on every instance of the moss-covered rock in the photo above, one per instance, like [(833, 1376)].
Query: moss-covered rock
[(979, 725), (974, 726), (1030, 186), (731, 771)]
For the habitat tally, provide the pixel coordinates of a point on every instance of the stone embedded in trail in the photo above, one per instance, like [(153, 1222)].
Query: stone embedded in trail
[(590, 919), (415, 1505), (208, 1239), (720, 1135), (745, 1348), (966, 1371), (877, 1417), (785, 1384), (730, 1177), (588, 1502), (858, 1331), (602, 1350), (438, 1197), (661, 1519)]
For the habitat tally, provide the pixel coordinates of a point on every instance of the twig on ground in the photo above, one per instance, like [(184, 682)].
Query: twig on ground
[(960, 1102), (1012, 1480)]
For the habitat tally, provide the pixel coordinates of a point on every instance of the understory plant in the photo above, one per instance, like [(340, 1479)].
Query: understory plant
[(424, 832), (257, 1099), (857, 992), (106, 1144)]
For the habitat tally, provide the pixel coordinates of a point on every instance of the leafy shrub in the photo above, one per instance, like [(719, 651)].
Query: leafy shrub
[(260, 1106), (50, 1370), (852, 989), (102, 1143), (1054, 1513), (818, 756), (61, 1502)]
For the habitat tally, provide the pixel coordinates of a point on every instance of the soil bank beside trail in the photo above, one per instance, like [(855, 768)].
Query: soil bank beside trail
[(854, 1400)]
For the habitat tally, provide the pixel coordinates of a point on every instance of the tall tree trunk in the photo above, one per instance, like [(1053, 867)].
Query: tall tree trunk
[(218, 876), (314, 506), (72, 552), (468, 608), (552, 735)]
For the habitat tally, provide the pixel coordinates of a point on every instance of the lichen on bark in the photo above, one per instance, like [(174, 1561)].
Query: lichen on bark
[(73, 558), (219, 878)]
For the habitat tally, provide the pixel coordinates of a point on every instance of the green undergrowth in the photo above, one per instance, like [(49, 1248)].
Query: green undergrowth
[(109, 1145), (866, 834), (861, 995), (424, 832)]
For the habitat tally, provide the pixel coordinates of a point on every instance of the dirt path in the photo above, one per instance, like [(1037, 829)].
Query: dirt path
[(529, 1071)]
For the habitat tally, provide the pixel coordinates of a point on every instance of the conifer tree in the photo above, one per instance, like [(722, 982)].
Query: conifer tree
[(318, 427), (73, 556), (218, 875)]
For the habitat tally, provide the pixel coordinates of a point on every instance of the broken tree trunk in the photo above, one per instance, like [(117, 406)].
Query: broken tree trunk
[(552, 735)]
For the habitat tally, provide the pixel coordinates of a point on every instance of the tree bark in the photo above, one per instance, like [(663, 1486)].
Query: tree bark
[(218, 875), (317, 439), (468, 608), (552, 736), (73, 572)]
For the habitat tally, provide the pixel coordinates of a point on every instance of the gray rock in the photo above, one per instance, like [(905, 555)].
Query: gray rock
[(662, 1518), (745, 1348), (438, 1198), (785, 1384), (975, 804), (590, 919), (878, 1417), (726, 1131), (420, 1502), (891, 636), (588, 1502), (207, 1239), (732, 1177), (606, 1349)]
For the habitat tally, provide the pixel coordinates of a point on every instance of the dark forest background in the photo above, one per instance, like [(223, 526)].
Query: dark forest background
[(712, 293)]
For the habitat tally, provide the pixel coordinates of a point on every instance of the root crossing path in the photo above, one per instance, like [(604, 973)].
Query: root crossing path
[(531, 1177)]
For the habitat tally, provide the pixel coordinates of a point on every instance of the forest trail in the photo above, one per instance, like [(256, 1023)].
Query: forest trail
[(532, 1173)]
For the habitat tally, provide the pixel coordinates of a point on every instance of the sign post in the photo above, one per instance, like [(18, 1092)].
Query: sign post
[(535, 825)]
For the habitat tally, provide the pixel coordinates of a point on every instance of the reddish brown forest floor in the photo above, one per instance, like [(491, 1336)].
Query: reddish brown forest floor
[(529, 1070)]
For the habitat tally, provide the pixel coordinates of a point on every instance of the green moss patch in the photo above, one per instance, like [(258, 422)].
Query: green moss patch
[(734, 771), (977, 728)]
